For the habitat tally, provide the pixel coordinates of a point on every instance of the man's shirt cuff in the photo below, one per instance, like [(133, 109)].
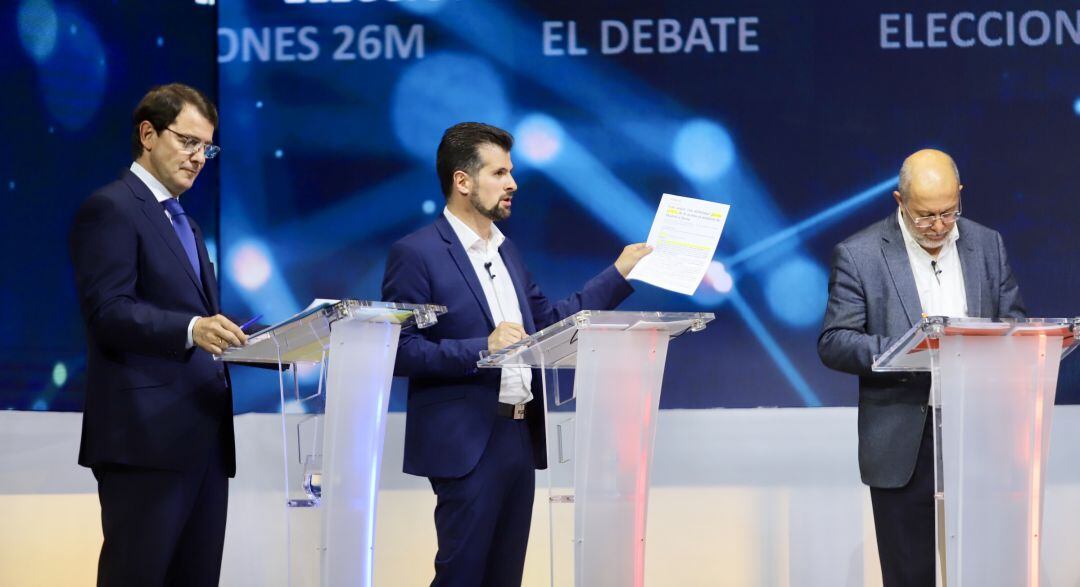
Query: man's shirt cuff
[(190, 332)]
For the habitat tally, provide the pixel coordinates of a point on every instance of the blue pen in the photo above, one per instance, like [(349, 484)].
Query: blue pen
[(250, 322)]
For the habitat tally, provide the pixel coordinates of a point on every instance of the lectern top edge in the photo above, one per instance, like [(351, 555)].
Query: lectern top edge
[(305, 333), (909, 353), (678, 322)]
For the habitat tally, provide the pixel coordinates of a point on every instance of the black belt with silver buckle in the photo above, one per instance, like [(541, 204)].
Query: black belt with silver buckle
[(513, 411)]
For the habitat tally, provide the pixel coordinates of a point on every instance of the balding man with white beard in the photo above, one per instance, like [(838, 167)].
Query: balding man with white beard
[(921, 259)]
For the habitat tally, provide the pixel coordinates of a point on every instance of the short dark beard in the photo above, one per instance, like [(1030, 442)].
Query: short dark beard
[(494, 213)]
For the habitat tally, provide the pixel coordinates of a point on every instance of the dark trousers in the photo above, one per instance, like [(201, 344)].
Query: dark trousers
[(904, 523), (482, 519), (162, 527)]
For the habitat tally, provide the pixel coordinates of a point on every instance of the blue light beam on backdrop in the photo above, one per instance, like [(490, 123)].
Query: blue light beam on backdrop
[(818, 221), (345, 222), (787, 368), (588, 182)]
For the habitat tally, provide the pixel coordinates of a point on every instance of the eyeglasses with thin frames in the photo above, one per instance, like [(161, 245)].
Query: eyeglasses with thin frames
[(191, 145), (947, 218)]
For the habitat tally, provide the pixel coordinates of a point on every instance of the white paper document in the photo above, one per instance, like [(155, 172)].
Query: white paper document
[(683, 236)]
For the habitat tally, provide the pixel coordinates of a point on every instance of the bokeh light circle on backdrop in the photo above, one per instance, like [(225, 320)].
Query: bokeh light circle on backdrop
[(37, 23), (797, 291), (440, 91), (73, 83), (718, 278), (703, 150), (249, 265), (59, 374), (425, 7), (538, 139)]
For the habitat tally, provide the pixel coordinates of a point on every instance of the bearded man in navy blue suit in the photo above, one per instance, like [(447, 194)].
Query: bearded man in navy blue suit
[(157, 425), (478, 436)]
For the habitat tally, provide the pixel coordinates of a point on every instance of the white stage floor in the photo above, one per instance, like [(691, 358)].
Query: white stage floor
[(742, 498)]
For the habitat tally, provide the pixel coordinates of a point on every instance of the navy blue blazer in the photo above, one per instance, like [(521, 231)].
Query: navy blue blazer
[(873, 301), (452, 404), (149, 401)]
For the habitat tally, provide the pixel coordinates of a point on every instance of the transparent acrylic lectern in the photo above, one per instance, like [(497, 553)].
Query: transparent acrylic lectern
[(992, 392), (333, 436), (599, 456)]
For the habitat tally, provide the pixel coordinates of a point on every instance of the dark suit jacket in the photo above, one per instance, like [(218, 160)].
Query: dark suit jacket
[(873, 301), (452, 403), (149, 401)]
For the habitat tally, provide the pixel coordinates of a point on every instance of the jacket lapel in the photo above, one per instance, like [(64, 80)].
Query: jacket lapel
[(461, 259), (972, 268), (896, 258), (517, 276), (209, 285), (155, 214)]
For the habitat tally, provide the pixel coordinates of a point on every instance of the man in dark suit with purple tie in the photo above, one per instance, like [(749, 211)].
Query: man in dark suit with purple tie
[(157, 425), (478, 436)]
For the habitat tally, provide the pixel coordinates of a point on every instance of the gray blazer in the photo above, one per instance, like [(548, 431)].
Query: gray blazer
[(873, 301)]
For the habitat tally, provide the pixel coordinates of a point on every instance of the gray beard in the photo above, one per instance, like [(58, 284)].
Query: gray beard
[(918, 236), (924, 241)]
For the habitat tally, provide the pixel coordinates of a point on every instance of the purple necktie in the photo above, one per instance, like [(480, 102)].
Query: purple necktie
[(183, 230)]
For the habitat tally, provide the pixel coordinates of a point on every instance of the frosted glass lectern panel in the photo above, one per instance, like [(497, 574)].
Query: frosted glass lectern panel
[(911, 351), (333, 434), (600, 455), (555, 347), (992, 392)]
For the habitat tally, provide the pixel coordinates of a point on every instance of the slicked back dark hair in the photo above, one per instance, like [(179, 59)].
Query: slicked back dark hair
[(459, 150), (160, 107)]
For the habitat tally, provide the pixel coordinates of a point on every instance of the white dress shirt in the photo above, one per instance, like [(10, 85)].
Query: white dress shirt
[(162, 194), (940, 279), (500, 295)]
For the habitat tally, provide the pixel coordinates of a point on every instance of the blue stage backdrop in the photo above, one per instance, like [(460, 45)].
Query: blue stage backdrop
[(73, 72), (798, 114)]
